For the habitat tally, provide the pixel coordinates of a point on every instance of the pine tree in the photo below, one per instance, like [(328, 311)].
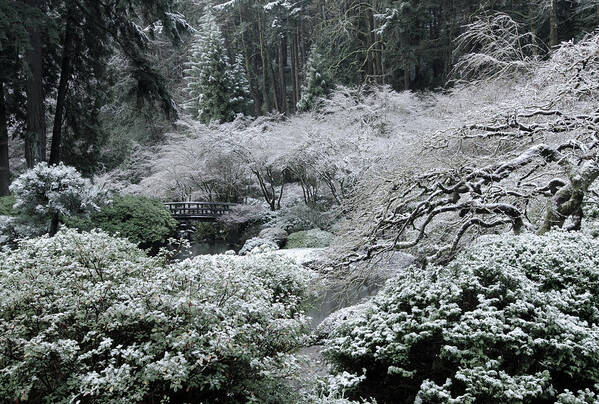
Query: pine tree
[(240, 97), (208, 75), (317, 84)]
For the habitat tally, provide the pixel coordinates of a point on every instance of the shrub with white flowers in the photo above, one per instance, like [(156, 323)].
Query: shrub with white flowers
[(89, 317), (513, 319)]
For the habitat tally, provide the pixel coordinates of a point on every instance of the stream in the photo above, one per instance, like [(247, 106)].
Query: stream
[(331, 300)]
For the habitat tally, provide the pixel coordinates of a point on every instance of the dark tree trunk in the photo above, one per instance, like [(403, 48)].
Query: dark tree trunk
[(294, 78), (298, 68), (248, 64), (282, 63), (553, 33), (265, 65), (63, 86), (53, 225), (4, 161), (35, 136)]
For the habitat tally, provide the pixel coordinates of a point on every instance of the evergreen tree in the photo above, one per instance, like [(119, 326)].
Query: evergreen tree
[(240, 96), (317, 85), (208, 75)]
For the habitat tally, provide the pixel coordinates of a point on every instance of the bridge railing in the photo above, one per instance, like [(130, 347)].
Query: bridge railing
[(198, 210)]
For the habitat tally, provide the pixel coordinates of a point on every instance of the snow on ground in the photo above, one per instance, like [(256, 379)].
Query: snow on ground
[(302, 256)]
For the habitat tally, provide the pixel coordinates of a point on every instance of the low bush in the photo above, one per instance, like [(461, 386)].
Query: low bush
[(144, 221), (6, 206), (87, 317), (295, 217), (314, 238), (514, 319)]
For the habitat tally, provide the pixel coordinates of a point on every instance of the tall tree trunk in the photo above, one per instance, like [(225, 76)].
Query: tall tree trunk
[(294, 73), (275, 88), (553, 33), (302, 44), (4, 161), (368, 71), (298, 68), (65, 72), (35, 136), (532, 27), (265, 65), (378, 49), (282, 63), (251, 77)]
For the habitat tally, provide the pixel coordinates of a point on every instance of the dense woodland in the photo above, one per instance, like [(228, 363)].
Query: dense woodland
[(409, 208), (83, 82)]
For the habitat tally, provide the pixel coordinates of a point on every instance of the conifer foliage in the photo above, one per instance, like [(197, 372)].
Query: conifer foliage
[(317, 85), (217, 89)]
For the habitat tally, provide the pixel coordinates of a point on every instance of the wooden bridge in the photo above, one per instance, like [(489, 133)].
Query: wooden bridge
[(198, 211)]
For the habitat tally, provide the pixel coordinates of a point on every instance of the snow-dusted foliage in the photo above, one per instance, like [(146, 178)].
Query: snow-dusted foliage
[(258, 158), (252, 211), (45, 190), (313, 238), (239, 87), (317, 85), (510, 155), (495, 46), (217, 89), (88, 317), (512, 319)]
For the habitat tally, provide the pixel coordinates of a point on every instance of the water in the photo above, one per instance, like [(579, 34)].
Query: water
[(334, 299)]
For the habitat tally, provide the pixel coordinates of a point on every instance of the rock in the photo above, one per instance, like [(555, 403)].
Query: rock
[(274, 234), (339, 317), (257, 245)]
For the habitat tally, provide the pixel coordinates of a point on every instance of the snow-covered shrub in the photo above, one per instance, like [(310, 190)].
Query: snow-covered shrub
[(513, 319), (252, 212), (334, 399), (144, 221), (278, 236), (289, 223), (89, 317), (314, 238), (47, 190), (257, 245), (297, 216)]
